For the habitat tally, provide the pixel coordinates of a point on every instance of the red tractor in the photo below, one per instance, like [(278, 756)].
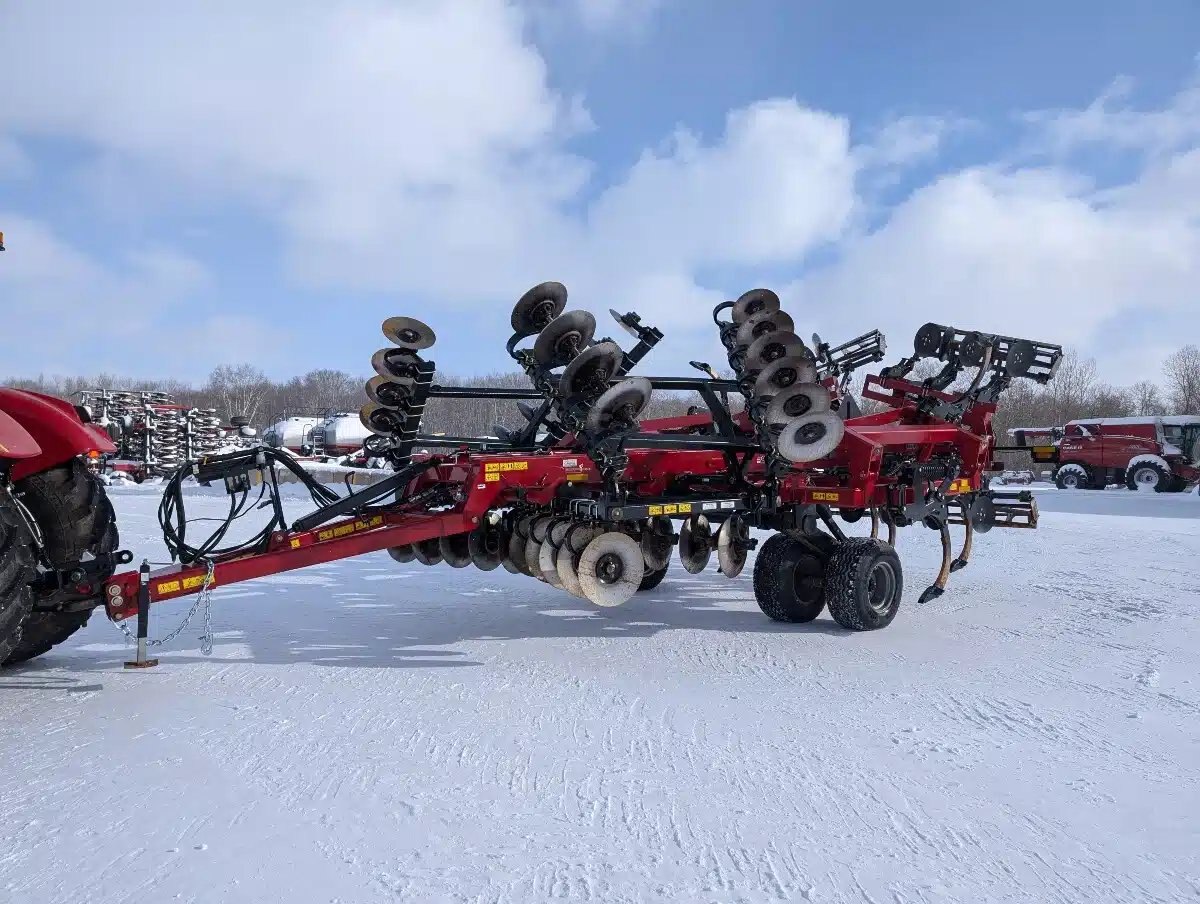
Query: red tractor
[(1145, 453), (58, 538)]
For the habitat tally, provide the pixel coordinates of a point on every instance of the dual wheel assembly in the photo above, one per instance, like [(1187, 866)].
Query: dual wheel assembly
[(859, 579)]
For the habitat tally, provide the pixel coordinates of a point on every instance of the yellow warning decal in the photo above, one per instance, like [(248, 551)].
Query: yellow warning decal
[(496, 467), (576, 478), (962, 485), (295, 544), (195, 582), (351, 527), (819, 496), (491, 478), (675, 508)]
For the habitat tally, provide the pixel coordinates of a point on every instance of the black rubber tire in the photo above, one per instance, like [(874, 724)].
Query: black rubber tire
[(652, 579), (862, 570), (16, 571), (1083, 482), (1165, 478), (76, 519), (789, 580), (1178, 485)]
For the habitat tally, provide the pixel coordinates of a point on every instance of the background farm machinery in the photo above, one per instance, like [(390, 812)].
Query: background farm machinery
[(588, 498), (1158, 454), (153, 435)]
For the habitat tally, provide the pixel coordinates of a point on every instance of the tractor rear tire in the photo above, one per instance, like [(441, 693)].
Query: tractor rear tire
[(789, 580), (1149, 476), (76, 519), (863, 584), (16, 571)]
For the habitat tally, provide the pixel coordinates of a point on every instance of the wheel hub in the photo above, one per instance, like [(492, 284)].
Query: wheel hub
[(610, 568), (881, 587), (810, 433), (797, 406)]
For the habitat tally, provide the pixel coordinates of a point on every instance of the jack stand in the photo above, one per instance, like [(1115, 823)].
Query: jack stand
[(143, 620)]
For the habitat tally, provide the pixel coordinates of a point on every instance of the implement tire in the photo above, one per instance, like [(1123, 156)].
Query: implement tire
[(863, 584), (789, 580), (77, 522), (16, 571)]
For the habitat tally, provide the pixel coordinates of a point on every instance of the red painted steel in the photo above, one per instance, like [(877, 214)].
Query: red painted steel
[(56, 428), (15, 441)]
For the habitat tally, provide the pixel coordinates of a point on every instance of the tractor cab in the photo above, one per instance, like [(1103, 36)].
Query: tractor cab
[(1183, 433)]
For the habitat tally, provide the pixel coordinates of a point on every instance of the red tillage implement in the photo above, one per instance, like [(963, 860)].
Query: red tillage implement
[(586, 497)]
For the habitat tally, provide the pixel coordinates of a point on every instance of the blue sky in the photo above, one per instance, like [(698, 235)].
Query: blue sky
[(194, 184)]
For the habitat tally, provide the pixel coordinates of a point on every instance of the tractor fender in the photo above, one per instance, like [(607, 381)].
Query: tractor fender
[(15, 441), (55, 427)]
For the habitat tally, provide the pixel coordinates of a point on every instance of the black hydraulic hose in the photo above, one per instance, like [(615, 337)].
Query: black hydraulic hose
[(172, 513)]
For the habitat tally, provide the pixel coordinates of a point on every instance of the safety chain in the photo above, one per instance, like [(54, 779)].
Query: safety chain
[(205, 597)]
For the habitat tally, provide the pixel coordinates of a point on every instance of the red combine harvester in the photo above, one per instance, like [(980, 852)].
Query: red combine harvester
[(587, 498), (1144, 453)]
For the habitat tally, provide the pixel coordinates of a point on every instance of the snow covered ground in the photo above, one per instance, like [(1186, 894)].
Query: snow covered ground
[(368, 732)]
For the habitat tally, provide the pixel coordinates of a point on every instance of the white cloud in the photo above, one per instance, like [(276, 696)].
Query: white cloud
[(419, 148), (1111, 122), (1030, 252), (780, 182), (622, 15), (77, 313), (1038, 251), (603, 18), (908, 139)]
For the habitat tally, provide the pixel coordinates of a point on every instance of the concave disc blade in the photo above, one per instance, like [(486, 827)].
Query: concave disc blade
[(785, 372), (806, 398), (753, 303), (811, 437), (761, 324), (731, 549), (658, 542), (621, 404), (408, 332), (611, 569), (564, 338), (695, 544), (538, 307), (456, 550)]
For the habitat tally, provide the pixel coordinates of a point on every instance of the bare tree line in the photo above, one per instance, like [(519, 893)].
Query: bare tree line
[(1077, 391)]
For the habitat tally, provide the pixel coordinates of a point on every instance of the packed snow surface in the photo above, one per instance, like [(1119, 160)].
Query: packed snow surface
[(370, 732)]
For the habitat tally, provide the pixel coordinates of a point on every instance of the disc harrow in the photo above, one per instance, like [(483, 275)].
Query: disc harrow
[(591, 498)]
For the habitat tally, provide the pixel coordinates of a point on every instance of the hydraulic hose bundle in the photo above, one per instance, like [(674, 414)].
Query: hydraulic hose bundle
[(235, 469)]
